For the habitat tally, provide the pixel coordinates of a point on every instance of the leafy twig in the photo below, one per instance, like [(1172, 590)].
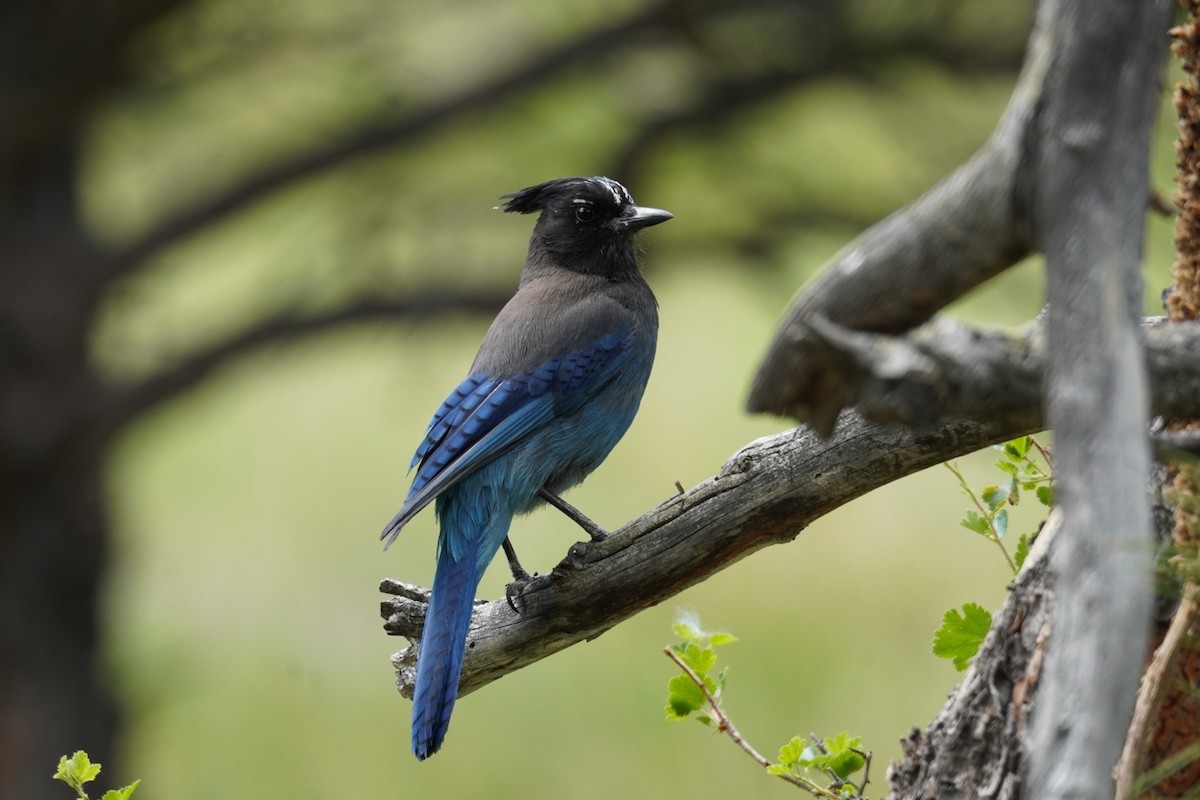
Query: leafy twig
[(1023, 472), (697, 692), (725, 725), (79, 769), (986, 517)]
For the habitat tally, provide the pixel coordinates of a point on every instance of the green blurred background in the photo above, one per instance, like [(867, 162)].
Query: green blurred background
[(242, 613)]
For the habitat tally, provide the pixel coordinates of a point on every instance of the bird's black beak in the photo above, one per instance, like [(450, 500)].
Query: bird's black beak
[(642, 217)]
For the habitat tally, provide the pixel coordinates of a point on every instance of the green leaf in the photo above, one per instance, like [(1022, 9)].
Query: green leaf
[(961, 635), (779, 769), (1017, 448), (718, 639), (1008, 467), (61, 774), (1000, 523), (973, 522), (1045, 494), (76, 770), (842, 742), (840, 756), (121, 794), (844, 762), (684, 697), (700, 659), (790, 753), (1022, 552), (1014, 492), (994, 496)]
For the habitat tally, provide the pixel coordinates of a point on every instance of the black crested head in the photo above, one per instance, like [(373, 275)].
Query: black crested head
[(586, 224)]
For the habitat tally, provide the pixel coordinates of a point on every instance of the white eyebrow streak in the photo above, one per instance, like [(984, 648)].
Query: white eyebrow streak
[(620, 194), (583, 200)]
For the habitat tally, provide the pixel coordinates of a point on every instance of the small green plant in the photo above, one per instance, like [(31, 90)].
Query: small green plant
[(79, 769), (989, 518), (690, 692), (834, 759), (961, 635), (822, 767)]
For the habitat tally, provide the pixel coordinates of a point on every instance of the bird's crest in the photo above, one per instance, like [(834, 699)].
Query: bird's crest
[(536, 198)]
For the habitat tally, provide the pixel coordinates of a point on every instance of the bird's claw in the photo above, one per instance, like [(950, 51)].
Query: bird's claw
[(516, 590)]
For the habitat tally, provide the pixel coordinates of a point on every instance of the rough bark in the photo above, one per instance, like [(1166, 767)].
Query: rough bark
[(972, 749)]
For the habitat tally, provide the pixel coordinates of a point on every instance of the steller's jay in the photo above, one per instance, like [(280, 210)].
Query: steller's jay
[(554, 386)]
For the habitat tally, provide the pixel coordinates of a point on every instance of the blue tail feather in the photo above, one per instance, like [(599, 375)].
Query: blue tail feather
[(439, 662), (460, 564)]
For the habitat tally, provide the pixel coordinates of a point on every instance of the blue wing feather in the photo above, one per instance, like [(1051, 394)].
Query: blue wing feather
[(485, 416), (449, 414)]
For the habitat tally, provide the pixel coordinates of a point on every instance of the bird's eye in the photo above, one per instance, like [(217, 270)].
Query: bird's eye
[(584, 213)]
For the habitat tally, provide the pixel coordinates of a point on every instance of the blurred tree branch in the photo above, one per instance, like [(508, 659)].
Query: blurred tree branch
[(837, 46), (842, 48), (384, 134), (125, 403)]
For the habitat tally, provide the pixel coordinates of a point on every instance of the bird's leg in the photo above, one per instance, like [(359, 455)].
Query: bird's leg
[(593, 530), (520, 577), (518, 572)]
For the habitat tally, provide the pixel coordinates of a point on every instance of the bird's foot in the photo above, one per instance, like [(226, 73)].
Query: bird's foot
[(514, 592), (593, 530)]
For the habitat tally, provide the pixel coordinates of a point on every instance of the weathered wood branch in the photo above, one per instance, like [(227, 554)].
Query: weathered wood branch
[(899, 272), (946, 369), (765, 494)]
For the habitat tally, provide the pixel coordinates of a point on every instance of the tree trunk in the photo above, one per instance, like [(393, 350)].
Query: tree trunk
[(54, 536)]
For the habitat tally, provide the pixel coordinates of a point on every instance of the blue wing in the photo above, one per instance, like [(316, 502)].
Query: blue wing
[(483, 417)]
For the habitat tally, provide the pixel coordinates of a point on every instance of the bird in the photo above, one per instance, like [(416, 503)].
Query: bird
[(554, 386)]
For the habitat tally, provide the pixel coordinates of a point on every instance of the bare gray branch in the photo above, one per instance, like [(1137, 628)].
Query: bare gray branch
[(765, 494)]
